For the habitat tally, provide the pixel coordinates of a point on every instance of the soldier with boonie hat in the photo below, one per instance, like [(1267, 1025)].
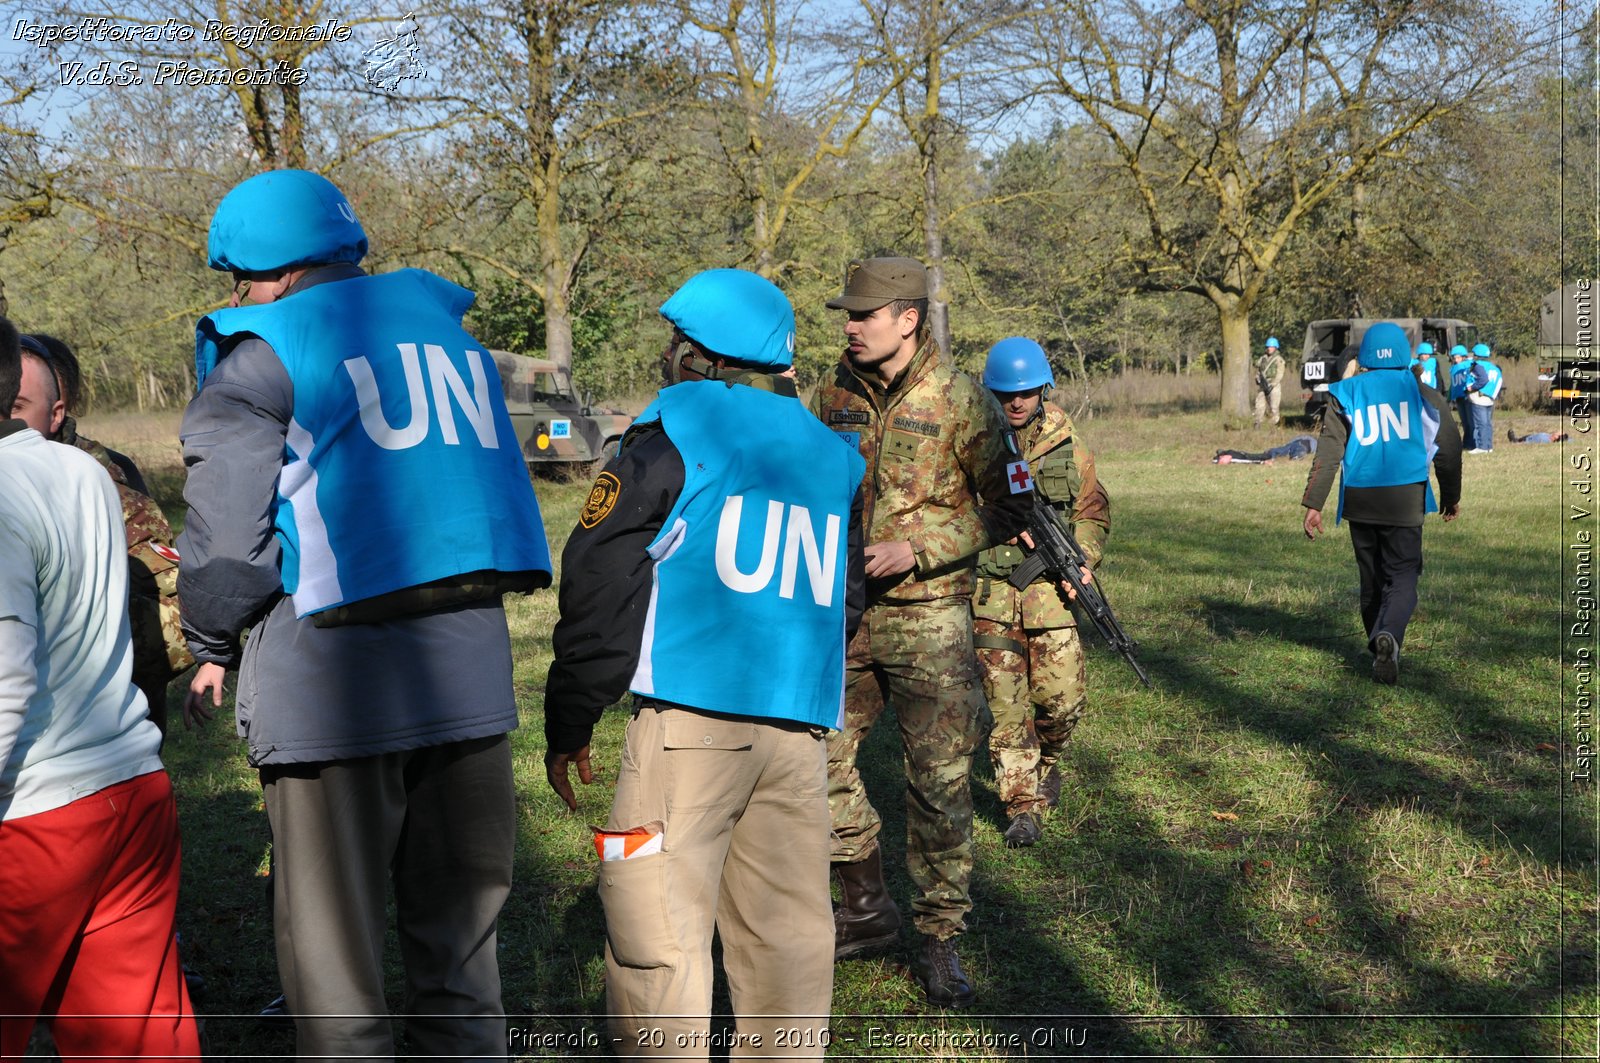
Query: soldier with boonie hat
[(935, 443)]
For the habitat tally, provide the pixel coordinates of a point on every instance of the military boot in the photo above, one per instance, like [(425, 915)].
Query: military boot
[(1023, 831), (937, 970), (1050, 786), (866, 919)]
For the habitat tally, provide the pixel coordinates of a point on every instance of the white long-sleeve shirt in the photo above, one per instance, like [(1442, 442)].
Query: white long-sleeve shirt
[(71, 720)]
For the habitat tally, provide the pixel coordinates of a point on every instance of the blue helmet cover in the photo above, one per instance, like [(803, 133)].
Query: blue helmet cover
[(1424, 348), (1017, 363), (1385, 346), (1272, 341), (1458, 351), (282, 219), (737, 314), (1480, 350)]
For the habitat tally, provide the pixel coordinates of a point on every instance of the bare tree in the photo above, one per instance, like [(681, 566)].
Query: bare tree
[(935, 50), (1234, 120), (782, 102), (562, 98)]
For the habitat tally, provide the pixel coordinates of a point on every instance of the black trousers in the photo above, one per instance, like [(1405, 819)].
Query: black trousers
[(1389, 559)]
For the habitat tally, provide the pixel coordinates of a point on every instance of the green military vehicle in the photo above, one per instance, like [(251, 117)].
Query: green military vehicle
[(1331, 346), (557, 429), (1567, 360)]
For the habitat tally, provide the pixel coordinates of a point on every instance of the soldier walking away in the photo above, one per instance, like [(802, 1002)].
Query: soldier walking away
[(368, 557), (1269, 382), (935, 442), (671, 587), (1381, 430), (1027, 641)]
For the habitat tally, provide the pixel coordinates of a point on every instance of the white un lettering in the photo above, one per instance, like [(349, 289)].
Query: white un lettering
[(798, 536), (446, 384), (1380, 420)]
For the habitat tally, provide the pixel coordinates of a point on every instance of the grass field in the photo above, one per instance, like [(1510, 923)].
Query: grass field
[(1266, 855)]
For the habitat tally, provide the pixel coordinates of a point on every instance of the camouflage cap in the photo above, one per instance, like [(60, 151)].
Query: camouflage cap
[(873, 282)]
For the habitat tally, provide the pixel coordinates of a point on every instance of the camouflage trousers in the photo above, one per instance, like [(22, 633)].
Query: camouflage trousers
[(919, 657), (1034, 680)]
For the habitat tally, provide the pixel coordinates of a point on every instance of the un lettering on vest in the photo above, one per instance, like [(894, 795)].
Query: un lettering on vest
[(1381, 420), (798, 536), (449, 390)]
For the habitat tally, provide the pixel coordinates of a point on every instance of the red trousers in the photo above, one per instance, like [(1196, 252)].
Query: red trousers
[(88, 902)]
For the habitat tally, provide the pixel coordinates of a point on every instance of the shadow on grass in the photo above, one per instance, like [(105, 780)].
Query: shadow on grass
[(1032, 992)]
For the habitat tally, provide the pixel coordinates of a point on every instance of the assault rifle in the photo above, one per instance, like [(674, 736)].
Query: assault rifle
[(1056, 554)]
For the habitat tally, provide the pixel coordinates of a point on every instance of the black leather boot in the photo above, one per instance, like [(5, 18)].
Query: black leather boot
[(866, 919), (1023, 831), (1050, 786), (937, 970)]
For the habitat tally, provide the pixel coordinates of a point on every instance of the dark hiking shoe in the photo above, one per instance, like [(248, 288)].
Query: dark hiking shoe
[(277, 1015), (1024, 830), (1386, 666), (937, 970), (1050, 786)]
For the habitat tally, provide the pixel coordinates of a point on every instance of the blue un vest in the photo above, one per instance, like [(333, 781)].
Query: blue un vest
[(1430, 371), (747, 609), (1393, 433), (1496, 378), (400, 466)]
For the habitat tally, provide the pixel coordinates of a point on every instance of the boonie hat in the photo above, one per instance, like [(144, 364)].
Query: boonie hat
[(873, 282)]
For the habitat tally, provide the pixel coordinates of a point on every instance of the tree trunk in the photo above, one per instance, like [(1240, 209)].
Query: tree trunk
[(1234, 318), (557, 324), (933, 241)]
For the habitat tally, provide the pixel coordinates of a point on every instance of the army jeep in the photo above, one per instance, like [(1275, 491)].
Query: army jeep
[(1331, 346), (557, 429)]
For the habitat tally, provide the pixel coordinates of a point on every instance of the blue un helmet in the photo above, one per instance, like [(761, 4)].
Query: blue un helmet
[(737, 314), (1424, 349), (1272, 341), (1458, 351), (1385, 346), (1480, 350), (1017, 363), (282, 219)]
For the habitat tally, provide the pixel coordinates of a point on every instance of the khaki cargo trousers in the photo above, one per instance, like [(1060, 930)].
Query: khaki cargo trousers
[(744, 806)]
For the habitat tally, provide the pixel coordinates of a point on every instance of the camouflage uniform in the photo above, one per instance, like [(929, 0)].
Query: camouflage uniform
[(160, 651), (934, 441), (1027, 641)]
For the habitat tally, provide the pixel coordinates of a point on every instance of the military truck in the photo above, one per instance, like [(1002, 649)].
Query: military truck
[(1566, 343), (556, 429), (1331, 347)]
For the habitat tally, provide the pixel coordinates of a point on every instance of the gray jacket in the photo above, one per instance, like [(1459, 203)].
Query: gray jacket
[(309, 694)]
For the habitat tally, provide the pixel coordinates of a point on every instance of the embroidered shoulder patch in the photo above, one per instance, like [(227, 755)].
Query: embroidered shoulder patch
[(602, 500)]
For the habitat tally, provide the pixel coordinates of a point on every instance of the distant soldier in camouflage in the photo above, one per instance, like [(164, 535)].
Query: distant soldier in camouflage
[(1269, 382), (49, 388), (934, 442), (1027, 641)]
